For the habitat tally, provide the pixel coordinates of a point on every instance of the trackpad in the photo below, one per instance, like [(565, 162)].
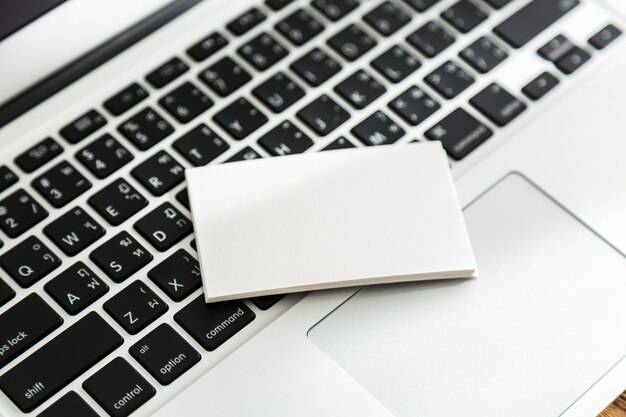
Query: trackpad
[(527, 338)]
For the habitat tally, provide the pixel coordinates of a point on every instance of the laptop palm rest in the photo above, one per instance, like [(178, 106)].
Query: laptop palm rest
[(528, 337)]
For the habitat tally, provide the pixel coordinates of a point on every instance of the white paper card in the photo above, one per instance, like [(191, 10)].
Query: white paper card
[(326, 220)]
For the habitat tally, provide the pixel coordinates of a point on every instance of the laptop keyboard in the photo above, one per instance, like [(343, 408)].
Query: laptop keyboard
[(138, 301)]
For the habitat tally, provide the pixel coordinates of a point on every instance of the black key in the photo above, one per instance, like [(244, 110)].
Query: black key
[(61, 184), (532, 19), (215, 323), (178, 276), (6, 292), (449, 80), (421, 5), (7, 177), (266, 301), (19, 212), (464, 15), (183, 198), (378, 129), (74, 231), (299, 27), (316, 67), (323, 115), (246, 21), (207, 47), (159, 173), (262, 52), (483, 55), (497, 4), (557, 48), (604, 37), (277, 4), (201, 145), (186, 102), (145, 129), (497, 104), (164, 226), (121, 256), (387, 18), (285, 139), (117, 202), (71, 404), (245, 154), (431, 39), (135, 307), (167, 72), (335, 9), (278, 93), (339, 143), (84, 126), (193, 244), (396, 64), (24, 324), (53, 366), (540, 86), (240, 118), (38, 155), (126, 99), (29, 261), (414, 105), (76, 288), (352, 42), (459, 133), (360, 89), (119, 388), (573, 60), (225, 76), (104, 156)]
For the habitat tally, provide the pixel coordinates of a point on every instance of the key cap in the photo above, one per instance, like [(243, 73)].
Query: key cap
[(414, 105), (19, 212), (532, 19), (178, 276), (213, 324), (7, 177), (165, 354), (167, 72), (387, 18), (285, 139), (352, 43), (225, 76), (29, 261), (104, 156), (245, 154), (246, 21), (240, 118), (135, 307), (207, 47), (378, 129), (540, 86), (279, 92), (46, 371), (497, 4), (74, 231), (277, 4), (71, 404), (316, 67), (335, 9), (262, 51), (186, 102), (119, 388), (464, 16), (6, 293), (360, 89), (164, 226), (126, 99), (267, 301), (299, 27), (201, 145), (557, 48), (396, 64), (183, 198), (604, 37), (159, 173), (459, 133), (120, 257), (193, 244), (483, 55), (421, 5), (61, 184), (339, 143), (24, 324), (117, 202), (323, 115), (497, 104), (38, 155), (430, 39), (449, 80), (76, 288), (145, 129), (84, 126), (573, 60)]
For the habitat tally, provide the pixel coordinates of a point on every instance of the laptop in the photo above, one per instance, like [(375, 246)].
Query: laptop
[(106, 103)]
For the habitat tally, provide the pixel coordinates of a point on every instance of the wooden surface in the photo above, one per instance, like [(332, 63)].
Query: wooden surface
[(617, 408)]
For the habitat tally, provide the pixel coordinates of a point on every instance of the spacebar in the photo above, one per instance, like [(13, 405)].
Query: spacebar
[(61, 360)]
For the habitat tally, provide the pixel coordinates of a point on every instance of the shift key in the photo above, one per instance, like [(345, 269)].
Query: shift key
[(57, 363)]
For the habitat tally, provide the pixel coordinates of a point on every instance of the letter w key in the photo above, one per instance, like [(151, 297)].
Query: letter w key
[(74, 231)]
